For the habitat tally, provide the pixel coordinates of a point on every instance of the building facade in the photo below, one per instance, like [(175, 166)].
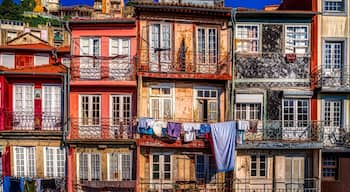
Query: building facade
[(101, 139)]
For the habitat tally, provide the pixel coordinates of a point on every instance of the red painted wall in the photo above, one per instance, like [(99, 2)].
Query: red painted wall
[(342, 184)]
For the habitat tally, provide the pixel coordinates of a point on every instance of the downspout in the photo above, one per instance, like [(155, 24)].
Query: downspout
[(233, 48)]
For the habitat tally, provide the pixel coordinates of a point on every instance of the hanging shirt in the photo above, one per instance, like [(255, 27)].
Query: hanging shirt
[(223, 136), (145, 126), (158, 126), (174, 130), (243, 125), (7, 184), (29, 186), (190, 131)]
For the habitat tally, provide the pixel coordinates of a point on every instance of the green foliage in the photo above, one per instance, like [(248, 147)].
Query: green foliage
[(27, 5)]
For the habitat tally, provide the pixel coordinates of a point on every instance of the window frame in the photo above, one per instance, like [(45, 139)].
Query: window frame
[(14, 96), (121, 109), (91, 45), (11, 65), (335, 167), (89, 166), (90, 110), (26, 159), (55, 162), (161, 167), (207, 168), (258, 46), (334, 13), (343, 42), (42, 55), (160, 57), (120, 45), (296, 121), (258, 163), (206, 45), (248, 111), (120, 166), (308, 39), (210, 99), (161, 98)]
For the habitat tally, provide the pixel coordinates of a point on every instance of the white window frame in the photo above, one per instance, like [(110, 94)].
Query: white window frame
[(120, 46), (296, 122), (307, 40), (23, 95), (161, 98), (160, 60), (207, 59), (121, 109), (26, 159), (55, 162), (90, 110), (41, 57), (24, 115), (119, 165), (333, 66), (247, 111), (89, 165), (161, 167), (2, 60), (210, 99), (258, 168), (334, 12), (91, 46), (248, 39), (54, 101)]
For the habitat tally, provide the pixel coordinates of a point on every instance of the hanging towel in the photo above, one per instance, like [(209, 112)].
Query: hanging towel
[(48, 184), (145, 126), (253, 126), (158, 126), (29, 186), (223, 137), (7, 183), (38, 185), (15, 185), (21, 181), (243, 125), (190, 131), (204, 129), (174, 130)]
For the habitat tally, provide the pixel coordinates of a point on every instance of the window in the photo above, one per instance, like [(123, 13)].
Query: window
[(41, 59), (54, 159), (119, 47), (160, 47), (295, 173), (297, 39), (161, 102), (258, 165), (329, 167), (90, 65), (120, 66), (7, 60), (11, 35), (119, 166), (89, 166), (248, 111), (90, 116), (205, 168), (247, 38), (333, 113), (51, 106), (161, 167), (24, 160), (23, 117), (207, 104), (295, 112), (207, 45), (334, 6), (121, 115), (333, 55)]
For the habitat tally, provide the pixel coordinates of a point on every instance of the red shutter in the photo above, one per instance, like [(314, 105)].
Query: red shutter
[(6, 162)]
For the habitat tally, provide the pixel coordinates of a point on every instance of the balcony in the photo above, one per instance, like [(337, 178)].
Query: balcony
[(336, 136), (272, 69), (30, 121), (102, 128), (98, 68), (172, 64), (127, 185), (283, 132), (334, 80)]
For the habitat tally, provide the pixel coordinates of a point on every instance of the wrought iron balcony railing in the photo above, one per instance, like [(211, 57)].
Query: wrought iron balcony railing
[(336, 135), (333, 78), (119, 68), (183, 62), (102, 128), (46, 121), (293, 131)]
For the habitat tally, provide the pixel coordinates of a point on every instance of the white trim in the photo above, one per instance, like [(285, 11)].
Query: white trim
[(295, 109), (119, 164), (8, 65), (90, 107), (161, 165), (25, 161), (252, 39), (14, 94), (89, 165), (249, 98), (41, 56), (206, 44), (161, 98), (55, 161), (308, 40)]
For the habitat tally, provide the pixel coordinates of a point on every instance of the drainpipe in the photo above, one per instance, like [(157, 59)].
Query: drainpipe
[(233, 54)]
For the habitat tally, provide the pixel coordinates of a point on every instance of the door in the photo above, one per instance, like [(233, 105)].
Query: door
[(120, 66), (333, 64), (121, 116), (294, 174), (90, 65), (332, 120), (51, 107), (23, 116), (160, 48)]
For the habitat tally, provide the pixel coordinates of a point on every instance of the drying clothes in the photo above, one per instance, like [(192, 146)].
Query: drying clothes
[(21, 183), (29, 186), (15, 185), (38, 185), (243, 125), (190, 131), (253, 126), (204, 129), (48, 184), (174, 130), (223, 137), (145, 126), (158, 126), (60, 184), (7, 184), (240, 136)]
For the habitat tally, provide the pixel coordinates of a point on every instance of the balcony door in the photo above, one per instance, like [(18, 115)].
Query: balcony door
[(120, 116), (51, 107), (333, 63), (295, 173), (90, 116), (160, 47), (296, 119), (332, 117), (207, 50), (23, 107), (120, 66), (90, 64)]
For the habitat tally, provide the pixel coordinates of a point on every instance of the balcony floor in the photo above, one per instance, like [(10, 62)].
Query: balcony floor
[(280, 145), (103, 83), (185, 76)]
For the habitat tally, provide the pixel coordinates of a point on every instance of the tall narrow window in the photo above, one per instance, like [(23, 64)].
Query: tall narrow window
[(258, 164), (90, 117), (161, 102), (207, 105), (54, 162), (23, 117), (24, 159), (90, 63), (51, 107), (89, 166), (121, 116), (295, 112), (205, 168), (207, 49), (160, 47), (120, 66), (247, 38), (161, 167), (330, 167), (120, 166), (333, 64), (297, 39)]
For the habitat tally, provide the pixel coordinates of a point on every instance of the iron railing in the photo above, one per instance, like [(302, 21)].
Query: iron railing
[(127, 185), (336, 136), (333, 78), (169, 61), (278, 130), (102, 128), (27, 120), (117, 68)]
